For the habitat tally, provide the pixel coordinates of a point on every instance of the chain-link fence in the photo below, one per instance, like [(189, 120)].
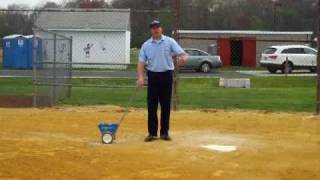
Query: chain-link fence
[(104, 44), (84, 44), (77, 48), (52, 67), (277, 68)]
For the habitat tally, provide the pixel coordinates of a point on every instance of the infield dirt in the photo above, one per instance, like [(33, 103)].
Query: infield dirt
[(64, 143)]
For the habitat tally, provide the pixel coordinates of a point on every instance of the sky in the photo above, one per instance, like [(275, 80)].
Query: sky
[(31, 3)]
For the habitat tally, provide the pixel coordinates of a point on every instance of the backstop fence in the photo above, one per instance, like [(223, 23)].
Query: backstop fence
[(52, 67)]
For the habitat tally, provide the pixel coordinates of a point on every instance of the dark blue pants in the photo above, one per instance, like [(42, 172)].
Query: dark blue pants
[(159, 91)]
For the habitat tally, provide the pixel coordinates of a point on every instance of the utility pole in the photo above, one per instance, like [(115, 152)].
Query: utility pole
[(276, 4), (318, 59), (176, 25)]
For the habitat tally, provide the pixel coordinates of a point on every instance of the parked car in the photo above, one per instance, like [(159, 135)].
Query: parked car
[(201, 61), (299, 57)]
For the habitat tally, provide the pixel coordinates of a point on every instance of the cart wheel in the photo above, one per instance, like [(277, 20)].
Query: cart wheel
[(107, 138)]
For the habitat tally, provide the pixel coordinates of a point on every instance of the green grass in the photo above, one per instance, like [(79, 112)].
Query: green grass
[(15, 87), (274, 93), (267, 93)]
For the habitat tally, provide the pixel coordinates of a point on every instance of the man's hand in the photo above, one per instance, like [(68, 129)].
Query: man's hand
[(140, 69), (140, 82), (180, 62), (182, 59)]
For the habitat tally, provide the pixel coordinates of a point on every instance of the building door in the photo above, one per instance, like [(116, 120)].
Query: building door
[(249, 52), (236, 52), (224, 51)]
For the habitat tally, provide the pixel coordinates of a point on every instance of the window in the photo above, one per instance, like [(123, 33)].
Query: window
[(196, 53), (191, 52), (202, 53), (270, 51), (293, 51), (310, 51)]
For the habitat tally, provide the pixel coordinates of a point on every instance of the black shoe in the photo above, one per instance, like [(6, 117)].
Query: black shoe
[(150, 138), (166, 138)]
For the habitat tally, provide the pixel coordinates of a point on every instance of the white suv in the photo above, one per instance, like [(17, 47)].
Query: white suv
[(298, 56)]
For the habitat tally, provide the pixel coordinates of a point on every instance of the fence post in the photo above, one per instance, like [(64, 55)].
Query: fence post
[(34, 70), (318, 62), (70, 69), (54, 88), (286, 68), (176, 23)]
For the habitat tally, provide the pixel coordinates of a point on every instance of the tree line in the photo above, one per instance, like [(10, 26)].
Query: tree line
[(281, 15)]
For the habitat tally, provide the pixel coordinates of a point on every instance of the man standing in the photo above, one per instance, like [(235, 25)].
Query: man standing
[(157, 55)]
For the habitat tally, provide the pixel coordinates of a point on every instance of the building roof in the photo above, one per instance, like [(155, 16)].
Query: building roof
[(84, 19), (246, 32), (13, 36)]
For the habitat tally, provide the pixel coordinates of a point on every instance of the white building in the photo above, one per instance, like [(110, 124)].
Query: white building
[(98, 35)]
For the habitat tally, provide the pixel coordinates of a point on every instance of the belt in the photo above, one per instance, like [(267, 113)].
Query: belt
[(165, 72)]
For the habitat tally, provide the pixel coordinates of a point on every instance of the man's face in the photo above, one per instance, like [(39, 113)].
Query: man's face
[(156, 31)]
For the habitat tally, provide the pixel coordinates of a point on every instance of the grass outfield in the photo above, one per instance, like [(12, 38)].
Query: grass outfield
[(267, 93)]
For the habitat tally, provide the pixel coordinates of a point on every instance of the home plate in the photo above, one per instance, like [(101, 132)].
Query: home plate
[(221, 148)]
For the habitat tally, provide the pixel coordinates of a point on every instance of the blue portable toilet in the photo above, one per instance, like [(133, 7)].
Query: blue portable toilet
[(30, 43), (8, 45), (18, 53)]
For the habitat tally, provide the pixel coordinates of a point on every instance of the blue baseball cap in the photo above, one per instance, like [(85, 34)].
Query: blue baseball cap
[(155, 23)]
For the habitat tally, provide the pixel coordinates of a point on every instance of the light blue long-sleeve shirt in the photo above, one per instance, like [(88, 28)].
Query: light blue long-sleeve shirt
[(157, 55)]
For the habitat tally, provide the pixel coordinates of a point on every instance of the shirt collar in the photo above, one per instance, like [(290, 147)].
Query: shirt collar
[(155, 41)]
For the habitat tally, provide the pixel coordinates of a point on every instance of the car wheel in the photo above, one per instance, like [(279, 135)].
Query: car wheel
[(205, 67), (272, 70), (290, 68)]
